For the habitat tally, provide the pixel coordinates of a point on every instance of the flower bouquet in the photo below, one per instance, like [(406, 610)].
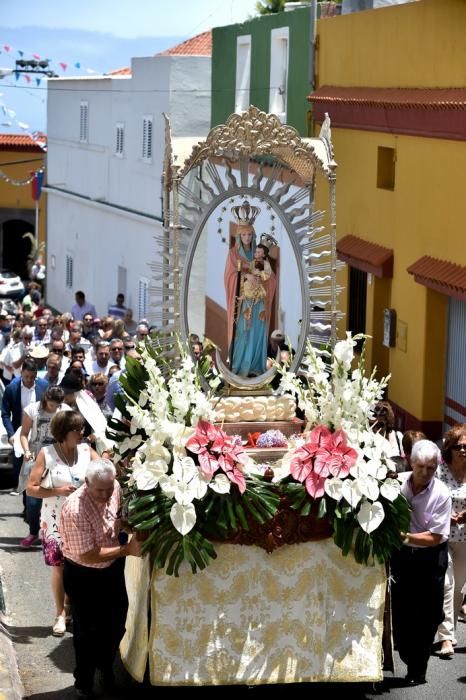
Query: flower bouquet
[(185, 481), (342, 466)]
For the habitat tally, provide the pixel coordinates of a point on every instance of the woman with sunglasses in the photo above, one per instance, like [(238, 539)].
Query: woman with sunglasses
[(59, 470), (98, 387), (453, 474)]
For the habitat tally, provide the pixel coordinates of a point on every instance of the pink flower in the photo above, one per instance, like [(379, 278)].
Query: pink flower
[(216, 450), (326, 454)]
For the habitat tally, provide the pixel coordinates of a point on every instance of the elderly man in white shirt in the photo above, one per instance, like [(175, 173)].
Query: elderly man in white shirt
[(418, 568)]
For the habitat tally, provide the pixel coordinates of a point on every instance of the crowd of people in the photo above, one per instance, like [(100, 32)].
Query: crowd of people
[(61, 375)]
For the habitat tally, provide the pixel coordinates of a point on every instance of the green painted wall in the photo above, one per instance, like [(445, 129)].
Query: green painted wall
[(299, 65)]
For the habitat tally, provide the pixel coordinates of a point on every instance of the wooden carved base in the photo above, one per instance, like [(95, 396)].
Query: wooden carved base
[(286, 527)]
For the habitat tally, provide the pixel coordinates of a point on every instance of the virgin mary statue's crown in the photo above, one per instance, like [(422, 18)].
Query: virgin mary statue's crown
[(245, 214)]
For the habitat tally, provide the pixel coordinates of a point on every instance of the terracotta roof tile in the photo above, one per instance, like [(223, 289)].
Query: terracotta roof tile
[(443, 276), (21, 142), (366, 256), (200, 45), (427, 98), (120, 71)]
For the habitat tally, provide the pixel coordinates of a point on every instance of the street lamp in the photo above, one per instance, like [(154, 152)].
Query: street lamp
[(23, 65)]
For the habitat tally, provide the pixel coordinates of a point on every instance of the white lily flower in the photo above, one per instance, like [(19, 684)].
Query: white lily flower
[(390, 489), (130, 443), (221, 484), (183, 517), (370, 516)]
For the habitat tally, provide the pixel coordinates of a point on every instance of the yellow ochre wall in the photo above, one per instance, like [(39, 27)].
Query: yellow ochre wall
[(420, 44), (20, 197)]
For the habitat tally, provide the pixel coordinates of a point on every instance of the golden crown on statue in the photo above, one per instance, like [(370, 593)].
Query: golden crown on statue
[(245, 214)]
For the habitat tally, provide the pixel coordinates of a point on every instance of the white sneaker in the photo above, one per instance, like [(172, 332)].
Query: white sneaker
[(14, 493), (59, 627)]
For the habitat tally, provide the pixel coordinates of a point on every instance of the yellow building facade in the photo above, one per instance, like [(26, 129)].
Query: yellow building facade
[(393, 81), (20, 156)]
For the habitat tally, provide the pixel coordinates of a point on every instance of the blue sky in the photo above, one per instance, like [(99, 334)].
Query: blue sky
[(99, 35), (124, 19)]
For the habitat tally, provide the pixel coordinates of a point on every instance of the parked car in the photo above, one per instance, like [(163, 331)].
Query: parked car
[(9, 306), (10, 284), (6, 451)]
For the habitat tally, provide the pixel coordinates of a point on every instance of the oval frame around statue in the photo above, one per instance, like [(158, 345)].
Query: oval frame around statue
[(233, 379), (245, 138)]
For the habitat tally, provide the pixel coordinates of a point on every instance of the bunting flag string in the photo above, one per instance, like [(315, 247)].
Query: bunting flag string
[(64, 65), (22, 183), (37, 137)]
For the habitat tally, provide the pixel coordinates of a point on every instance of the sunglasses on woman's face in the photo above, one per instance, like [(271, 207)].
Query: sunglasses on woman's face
[(457, 448)]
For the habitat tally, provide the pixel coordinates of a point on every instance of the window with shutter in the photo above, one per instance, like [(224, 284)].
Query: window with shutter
[(147, 139), (243, 72), (279, 72), (119, 139), (84, 122), (143, 297), (69, 271)]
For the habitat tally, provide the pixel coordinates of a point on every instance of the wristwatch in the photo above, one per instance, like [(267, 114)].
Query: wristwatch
[(406, 539)]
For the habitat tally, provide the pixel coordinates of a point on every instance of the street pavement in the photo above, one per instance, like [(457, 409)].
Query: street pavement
[(46, 662)]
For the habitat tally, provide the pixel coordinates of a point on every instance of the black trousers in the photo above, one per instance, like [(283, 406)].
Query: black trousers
[(417, 602), (99, 605)]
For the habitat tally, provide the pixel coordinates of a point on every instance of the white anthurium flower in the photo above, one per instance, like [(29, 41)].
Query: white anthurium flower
[(189, 483), (183, 517), (153, 449), (390, 489), (334, 488), (351, 492), (144, 478), (370, 516), (369, 487), (221, 484), (168, 484), (131, 443)]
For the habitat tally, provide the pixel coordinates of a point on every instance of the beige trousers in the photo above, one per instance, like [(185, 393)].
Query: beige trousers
[(453, 597)]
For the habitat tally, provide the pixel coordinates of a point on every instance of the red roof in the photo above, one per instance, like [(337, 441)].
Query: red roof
[(367, 256), (445, 277), (21, 142), (427, 98), (120, 71), (200, 45)]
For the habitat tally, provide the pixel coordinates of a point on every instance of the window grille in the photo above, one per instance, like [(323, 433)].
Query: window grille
[(143, 297), (119, 140), (69, 272), (147, 139), (84, 122)]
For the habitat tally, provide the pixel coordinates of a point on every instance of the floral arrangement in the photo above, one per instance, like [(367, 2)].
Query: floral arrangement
[(342, 464), (187, 484), (185, 481)]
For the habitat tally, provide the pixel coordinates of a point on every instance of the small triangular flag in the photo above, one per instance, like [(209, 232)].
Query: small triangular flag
[(27, 77), (77, 65), (21, 53), (63, 65), (16, 75), (36, 55), (37, 82), (7, 48)]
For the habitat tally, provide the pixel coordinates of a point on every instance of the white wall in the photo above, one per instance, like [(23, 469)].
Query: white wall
[(99, 241), (102, 236)]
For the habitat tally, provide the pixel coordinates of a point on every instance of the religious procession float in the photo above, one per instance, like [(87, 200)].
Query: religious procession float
[(250, 469)]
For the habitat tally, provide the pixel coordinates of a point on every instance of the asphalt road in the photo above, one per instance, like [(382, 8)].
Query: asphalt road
[(46, 662)]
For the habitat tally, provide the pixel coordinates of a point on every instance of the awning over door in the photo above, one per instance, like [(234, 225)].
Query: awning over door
[(445, 277), (366, 256)]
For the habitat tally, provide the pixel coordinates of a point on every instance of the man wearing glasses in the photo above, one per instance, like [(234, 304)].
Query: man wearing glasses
[(41, 332)]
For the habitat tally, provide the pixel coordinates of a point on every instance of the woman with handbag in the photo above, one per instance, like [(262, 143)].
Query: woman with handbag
[(58, 471), (34, 434)]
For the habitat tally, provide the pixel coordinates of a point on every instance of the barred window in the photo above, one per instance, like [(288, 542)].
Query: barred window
[(143, 306)]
